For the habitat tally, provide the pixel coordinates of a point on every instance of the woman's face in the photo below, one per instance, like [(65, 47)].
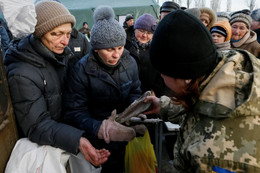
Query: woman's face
[(143, 36), (218, 38), (57, 39), (110, 56), (239, 29), (204, 18), (176, 85)]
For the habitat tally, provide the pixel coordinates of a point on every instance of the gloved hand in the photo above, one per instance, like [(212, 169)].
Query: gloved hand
[(110, 130), (140, 129)]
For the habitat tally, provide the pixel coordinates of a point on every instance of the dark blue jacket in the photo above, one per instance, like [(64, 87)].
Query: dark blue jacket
[(92, 93), (35, 78)]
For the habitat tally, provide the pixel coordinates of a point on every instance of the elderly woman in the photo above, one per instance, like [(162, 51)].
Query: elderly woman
[(139, 47), (242, 37)]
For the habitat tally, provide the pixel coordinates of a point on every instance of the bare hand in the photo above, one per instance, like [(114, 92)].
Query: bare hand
[(155, 107), (94, 156)]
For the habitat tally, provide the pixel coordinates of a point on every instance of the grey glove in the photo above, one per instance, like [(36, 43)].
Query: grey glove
[(140, 129), (110, 130)]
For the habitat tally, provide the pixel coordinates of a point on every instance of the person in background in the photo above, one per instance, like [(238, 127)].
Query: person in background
[(128, 25), (194, 11), (221, 34), (255, 15), (36, 68), (85, 30), (207, 17), (167, 7), (3, 23), (4, 39), (139, 47), (242, 37), (223, 16), (220, 94), (104, 80), (79, 45)]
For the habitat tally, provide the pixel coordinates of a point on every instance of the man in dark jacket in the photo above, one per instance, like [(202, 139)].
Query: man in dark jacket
[(35, 67), (103, 80)]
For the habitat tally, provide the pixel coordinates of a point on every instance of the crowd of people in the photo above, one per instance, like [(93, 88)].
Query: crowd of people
[(68, 85)]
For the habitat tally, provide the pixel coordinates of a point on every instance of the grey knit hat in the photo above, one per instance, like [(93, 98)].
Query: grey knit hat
[(256, 15), (49, 15), (194, 11), (106, 31), (241, 17), (146, 22)]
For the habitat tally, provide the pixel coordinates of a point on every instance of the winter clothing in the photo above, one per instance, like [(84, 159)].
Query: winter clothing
[(149, 77), (128, 17), (223, 16), (220, 121), (51, 14), (4, 40), (255, 15), (98, 93), (249, 43), (169, 6), (223, 28), (241, 17), (106, 31), (212, 15), (79, 45), (146, 22), (110, 130), (35, 76), (184, 64), (194, 11)]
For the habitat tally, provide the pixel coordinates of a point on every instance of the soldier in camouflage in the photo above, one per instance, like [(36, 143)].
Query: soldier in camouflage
[(217, 95)]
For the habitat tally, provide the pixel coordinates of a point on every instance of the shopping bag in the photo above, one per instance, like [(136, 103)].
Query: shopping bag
[(140, 156)]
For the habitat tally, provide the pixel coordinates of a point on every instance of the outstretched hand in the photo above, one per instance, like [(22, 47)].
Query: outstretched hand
[(94, 156), (155, 106)]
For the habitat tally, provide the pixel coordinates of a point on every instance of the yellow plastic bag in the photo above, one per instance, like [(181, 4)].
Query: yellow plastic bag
[(140, 156)]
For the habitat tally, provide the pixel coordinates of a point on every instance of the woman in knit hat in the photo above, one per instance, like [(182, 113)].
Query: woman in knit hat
[(208, 17), (104, 80), (242, 36), (221, 34), (36, 68), (139, 47), (219, 92)]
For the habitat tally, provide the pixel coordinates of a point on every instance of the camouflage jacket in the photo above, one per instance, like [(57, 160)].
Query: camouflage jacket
[(223, 127)]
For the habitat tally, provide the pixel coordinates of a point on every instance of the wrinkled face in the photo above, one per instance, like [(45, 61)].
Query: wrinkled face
[(143, 36), (163, 14), (176, 85), (204, 18), (218, 38), (110, 56), (239, 29), (130, 22), (58, 38), (255, 25)]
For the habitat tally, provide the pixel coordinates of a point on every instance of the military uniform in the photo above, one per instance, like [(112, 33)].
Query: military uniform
[(222, 128)]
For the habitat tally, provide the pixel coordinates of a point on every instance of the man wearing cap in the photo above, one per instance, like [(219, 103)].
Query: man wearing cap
[(256, 23), (36, 69), (167, 7)]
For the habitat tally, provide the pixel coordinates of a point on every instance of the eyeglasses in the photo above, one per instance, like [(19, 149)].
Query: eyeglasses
[(145, 32)]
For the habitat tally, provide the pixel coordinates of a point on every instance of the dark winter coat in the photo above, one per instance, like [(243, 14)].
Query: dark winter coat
[(78, 44), (92, 93), (149, 77), (35, 77)]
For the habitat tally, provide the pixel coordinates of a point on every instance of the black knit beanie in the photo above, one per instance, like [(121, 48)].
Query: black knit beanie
[(182, 47)]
